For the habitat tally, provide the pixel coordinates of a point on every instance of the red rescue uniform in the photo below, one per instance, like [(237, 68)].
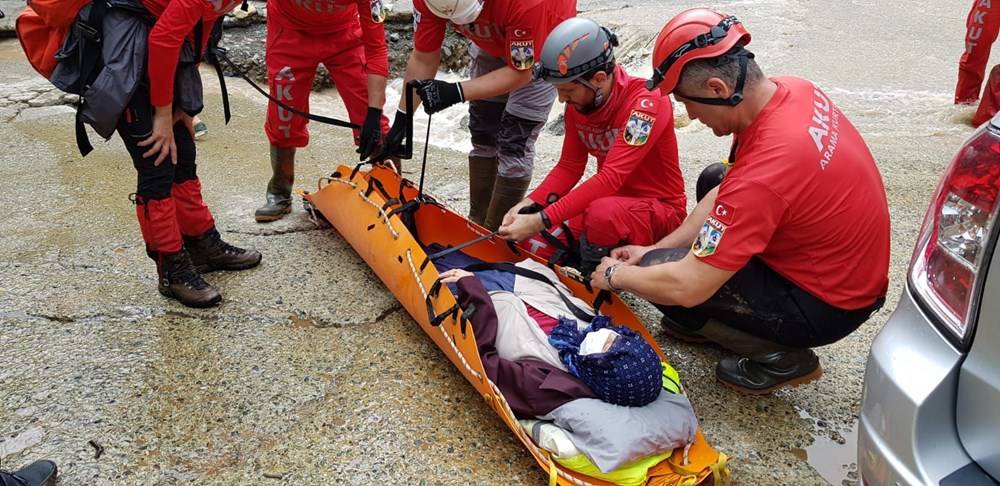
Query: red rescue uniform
[(347, 36), (982, 28), (637, 194), (513, 30), (804, 196)]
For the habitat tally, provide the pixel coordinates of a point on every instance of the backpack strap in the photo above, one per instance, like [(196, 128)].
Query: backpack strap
[(90, 59)]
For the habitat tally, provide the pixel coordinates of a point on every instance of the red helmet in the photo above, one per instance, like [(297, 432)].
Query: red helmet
[(695, 33)]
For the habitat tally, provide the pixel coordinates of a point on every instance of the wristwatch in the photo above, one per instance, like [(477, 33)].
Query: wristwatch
[(610, 272)]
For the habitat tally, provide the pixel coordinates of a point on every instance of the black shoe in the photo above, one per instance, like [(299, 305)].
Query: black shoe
[(768, 372), (180, 280), (209, 253), (37, 473), (678, 332)]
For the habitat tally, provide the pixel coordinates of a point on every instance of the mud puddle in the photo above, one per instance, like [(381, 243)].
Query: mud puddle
[(833, 453)]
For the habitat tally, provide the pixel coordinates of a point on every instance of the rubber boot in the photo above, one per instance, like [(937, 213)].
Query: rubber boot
[(38, 473), (209, 253), (760, 366), (279, 189), (180, 280), (506, 193), (482, 177)]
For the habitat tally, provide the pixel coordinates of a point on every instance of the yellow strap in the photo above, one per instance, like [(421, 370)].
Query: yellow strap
[(720, 471), (553, 470)]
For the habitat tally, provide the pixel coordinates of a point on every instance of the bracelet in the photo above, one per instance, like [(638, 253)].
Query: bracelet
[(610, 272)]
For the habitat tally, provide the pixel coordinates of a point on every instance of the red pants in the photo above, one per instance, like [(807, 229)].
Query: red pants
[(982, 27), (990, 103), (292, 58), (614, 221)]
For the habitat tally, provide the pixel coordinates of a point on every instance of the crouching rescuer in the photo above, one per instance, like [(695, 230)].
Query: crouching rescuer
[(637, 193), (791, 250), (156, 127)]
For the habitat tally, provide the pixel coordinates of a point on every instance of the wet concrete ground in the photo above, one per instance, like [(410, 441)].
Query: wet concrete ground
[(310, 372)]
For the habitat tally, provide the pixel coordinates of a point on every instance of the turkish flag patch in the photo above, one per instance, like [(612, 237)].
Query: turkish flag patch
[(723, 212)]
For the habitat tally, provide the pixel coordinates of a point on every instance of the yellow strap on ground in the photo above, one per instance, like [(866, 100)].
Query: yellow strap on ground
[(553, 469), (720, 471)]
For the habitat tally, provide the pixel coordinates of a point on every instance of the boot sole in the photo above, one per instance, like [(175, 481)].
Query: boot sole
[(195, 305), (267, 218), (807, 378)]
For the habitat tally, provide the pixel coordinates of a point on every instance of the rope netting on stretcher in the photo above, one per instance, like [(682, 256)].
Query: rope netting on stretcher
[(385, 217)]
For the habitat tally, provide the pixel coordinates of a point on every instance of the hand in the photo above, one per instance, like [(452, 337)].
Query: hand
[(371, 133), (630, 254), (186, 120), (438, 95), (522, 227), (162, 139), (454, 275), (397, 133), (597, 278), (509, 217)]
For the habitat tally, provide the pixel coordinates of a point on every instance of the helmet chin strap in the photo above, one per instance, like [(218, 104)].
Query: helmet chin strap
[(737, 96), (598, 95)]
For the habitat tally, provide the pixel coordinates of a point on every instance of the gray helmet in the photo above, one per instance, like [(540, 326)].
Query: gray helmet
[(574, 48)]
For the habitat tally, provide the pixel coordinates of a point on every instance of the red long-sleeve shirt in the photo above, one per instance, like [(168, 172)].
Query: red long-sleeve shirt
[(332, 16), (175, 22), (632, 137)]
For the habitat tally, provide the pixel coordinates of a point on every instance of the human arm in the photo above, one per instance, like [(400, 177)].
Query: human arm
[(682, 237), (687, 282)]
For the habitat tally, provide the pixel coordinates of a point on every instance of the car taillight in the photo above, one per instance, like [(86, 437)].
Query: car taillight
[(951, 248)]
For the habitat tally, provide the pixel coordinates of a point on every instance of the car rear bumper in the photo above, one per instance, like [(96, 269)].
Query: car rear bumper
[(907, 433)]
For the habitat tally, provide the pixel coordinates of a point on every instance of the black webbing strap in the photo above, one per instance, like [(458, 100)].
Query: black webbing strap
[(453, 249), (434, 318), (89, 58), (213, 45), (220, 53), (524, 272), (603, 297)]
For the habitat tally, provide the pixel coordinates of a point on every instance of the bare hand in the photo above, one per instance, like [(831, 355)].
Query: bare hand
[(161, 141), (186, 120), (509, 217), (454, 275), (521, 227), (630, 254), (597, 278)]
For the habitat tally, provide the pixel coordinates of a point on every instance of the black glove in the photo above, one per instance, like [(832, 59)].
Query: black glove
[(371, 133), (438, 95), (397, 134)]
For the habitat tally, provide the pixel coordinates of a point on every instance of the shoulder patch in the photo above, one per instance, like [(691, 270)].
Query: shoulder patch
[(724, 213), (522, 54), (379, 11), (709, 238), (638, 127), (647, 104)]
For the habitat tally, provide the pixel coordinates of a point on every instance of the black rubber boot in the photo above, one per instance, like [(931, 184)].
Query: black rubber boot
[(761, 374), (180, 280), (506, 193), (209, 253), (678, 332), (37, 473), (709, 179), (279, 188), (482, 177)]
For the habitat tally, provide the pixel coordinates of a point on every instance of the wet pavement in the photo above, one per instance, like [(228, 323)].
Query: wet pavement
[(310, 372)]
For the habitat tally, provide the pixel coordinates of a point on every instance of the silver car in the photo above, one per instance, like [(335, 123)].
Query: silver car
[(930, 411)]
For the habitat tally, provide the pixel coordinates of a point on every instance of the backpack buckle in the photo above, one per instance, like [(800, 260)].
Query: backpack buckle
[(89, 32)]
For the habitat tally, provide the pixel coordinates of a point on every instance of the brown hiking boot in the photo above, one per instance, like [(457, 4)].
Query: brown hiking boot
[(179, 280), (764, 373), (209, 253)]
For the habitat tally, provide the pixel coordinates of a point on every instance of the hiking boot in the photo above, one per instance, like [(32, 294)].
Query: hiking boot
[(678, 332), (180, 280), (482, 176), (765, 373), (279, 188), (507, 192), (37, 473), (209, 253)]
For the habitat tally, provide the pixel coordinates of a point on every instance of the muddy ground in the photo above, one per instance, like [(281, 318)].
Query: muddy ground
[(310, 372)]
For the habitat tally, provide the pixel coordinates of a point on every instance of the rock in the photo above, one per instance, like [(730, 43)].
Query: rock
[(51, 98), (6, 114), (556, 127), (29, 114), (22, 96), (255, 14), (11, 8)]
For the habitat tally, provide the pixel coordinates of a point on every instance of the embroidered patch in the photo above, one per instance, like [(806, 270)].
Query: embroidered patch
[(638, 127), (709, 238), (724, 213), (379, 11), (522, 54)]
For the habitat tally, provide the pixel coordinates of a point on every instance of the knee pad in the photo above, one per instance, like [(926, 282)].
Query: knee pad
[(709, 178)]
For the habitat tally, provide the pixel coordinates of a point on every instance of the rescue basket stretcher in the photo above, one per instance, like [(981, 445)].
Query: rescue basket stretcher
[(374, 210)]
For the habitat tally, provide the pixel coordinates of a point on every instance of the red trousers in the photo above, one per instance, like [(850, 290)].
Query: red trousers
[(982, 28), (614, 221), (292, 58)]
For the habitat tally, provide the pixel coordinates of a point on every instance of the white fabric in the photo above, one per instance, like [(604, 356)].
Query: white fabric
[(518, 335), (550, 438), (596, 342), (461, 12), (542, 297)]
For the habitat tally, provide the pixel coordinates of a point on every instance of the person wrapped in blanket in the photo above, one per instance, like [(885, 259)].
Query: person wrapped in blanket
[(593, 394)]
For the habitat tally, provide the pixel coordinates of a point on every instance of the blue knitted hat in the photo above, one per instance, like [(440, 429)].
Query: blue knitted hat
[(628, 374)]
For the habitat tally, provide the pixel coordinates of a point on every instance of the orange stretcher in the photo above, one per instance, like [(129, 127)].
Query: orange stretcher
[(373, 210)]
